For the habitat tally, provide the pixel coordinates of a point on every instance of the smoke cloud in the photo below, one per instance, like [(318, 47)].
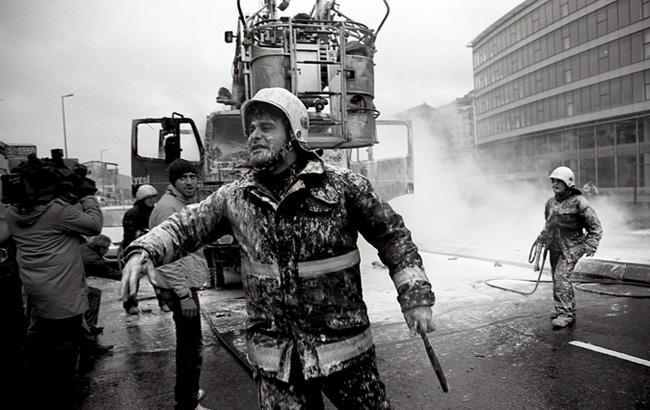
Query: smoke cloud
[(458, 202)]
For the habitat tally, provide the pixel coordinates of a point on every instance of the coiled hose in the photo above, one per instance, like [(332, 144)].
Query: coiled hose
[(536, 256)]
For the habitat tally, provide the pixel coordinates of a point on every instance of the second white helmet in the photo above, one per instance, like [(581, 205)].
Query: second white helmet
[(564, 174), (145, 191)]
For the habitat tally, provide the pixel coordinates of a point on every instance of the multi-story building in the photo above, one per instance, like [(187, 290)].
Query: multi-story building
[(567, 82)]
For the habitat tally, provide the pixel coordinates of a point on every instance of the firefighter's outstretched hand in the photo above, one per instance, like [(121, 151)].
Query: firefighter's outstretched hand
[(189, 308), (135, 267), (419, 318)]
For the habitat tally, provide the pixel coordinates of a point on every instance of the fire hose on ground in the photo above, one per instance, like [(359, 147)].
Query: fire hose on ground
[(537, 256)]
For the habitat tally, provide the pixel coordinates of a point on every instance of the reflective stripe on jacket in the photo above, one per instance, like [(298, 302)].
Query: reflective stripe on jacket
[(300, 262)]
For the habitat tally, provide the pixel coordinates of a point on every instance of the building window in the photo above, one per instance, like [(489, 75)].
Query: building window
[(601, 22), (646, 42), (606, 172), (646, 9), (603, 59), (626, 171), (626, 132), (588, 170), (647, 85), (605, 135), (566, 39), (537, 51), (535, 17), (567, 75), (513, 34), (586, 138), (569, 109), (604, 95), (539, 85), (516, 93), (564, 8), (569, 140)]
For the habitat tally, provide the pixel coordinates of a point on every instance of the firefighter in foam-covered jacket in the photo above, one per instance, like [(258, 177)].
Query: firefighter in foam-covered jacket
[(572, 230), (297, 221)]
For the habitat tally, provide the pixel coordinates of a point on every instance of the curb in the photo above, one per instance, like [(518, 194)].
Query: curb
[(587, 268), (614, 270)]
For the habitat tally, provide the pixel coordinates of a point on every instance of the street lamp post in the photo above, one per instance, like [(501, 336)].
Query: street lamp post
[(65, 137), (101, 164)]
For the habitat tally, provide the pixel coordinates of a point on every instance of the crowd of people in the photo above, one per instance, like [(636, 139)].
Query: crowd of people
[(296, 220)]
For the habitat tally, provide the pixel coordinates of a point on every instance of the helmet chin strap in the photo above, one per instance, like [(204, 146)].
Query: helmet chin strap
[(277, 160)]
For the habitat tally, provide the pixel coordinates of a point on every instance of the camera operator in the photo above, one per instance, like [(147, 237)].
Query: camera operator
[(51, 207)]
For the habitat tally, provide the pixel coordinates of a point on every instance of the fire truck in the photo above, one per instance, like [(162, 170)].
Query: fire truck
[(324, 58)]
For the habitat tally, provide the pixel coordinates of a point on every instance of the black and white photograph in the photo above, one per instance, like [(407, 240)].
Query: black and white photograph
[(325, 204)]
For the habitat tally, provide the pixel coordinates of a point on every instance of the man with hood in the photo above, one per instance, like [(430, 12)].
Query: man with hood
[(47, 232), (178, 284), (297, 221), (572, 230), (135, 223)]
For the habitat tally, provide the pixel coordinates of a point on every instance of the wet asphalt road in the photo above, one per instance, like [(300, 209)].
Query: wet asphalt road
[(496, 347)]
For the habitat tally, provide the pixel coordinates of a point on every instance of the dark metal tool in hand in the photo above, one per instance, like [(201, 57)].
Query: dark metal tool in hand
[(434, 361)]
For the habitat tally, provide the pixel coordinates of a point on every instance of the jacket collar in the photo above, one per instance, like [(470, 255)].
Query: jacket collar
[(314, 166), (172, 191)]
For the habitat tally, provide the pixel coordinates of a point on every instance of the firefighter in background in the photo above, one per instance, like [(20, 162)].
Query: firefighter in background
[(590, 189), (572, 230), (297, 220)]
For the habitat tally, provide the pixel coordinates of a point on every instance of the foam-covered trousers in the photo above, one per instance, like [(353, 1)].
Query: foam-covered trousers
[(563, 293)]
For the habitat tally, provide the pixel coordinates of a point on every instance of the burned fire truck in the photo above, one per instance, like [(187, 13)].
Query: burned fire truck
[(323, 57)]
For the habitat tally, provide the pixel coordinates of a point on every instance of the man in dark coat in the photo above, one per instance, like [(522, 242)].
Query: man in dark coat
[(95, 265), (135, 224)]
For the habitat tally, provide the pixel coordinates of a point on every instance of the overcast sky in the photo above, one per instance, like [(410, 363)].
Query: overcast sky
[(148, 58)]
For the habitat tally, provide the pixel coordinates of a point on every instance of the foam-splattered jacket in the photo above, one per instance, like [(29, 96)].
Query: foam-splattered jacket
[(572, 226), (300, 263)]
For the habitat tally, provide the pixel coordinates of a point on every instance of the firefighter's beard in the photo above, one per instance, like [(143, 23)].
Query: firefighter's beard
[(265, 161)]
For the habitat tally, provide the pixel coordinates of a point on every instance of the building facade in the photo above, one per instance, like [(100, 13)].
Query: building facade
[(112, 187), (567, 82)]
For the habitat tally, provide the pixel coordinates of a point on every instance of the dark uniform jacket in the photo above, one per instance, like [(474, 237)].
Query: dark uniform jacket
[(300, 263)]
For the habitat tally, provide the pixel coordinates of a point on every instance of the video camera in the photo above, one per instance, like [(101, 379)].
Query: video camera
[(40, 180)]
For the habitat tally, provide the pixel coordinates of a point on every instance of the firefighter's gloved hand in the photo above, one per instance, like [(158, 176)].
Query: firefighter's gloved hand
[(138, 264), (419, 318), (189, 307), (590, 251)]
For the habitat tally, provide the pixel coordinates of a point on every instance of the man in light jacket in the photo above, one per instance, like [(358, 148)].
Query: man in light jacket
[(178, 283)]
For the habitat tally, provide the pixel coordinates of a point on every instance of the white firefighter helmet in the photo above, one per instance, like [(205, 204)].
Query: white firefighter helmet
[(144, 192), (564, 174), (289, 104)]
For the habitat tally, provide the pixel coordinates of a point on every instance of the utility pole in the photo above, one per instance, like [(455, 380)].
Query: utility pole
[(103, 175), (65, 137)]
